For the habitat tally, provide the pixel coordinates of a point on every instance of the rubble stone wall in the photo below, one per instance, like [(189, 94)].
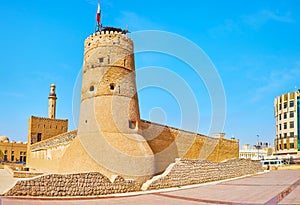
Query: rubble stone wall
[(187, 172), (181, 173), (82, 184)]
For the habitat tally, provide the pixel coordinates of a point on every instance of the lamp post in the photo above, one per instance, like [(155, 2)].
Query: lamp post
[(257, 147)]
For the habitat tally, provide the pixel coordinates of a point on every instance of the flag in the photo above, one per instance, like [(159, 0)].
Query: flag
[(98, 15)]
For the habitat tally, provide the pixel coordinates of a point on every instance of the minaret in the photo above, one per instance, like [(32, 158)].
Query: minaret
[(52, 102)]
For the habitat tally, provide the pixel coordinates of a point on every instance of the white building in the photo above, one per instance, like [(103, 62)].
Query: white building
[(254, 154)]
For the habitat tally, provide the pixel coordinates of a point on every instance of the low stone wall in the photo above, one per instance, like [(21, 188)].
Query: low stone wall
[(181, 173), (25, 174), (83, 184), (188, 172)]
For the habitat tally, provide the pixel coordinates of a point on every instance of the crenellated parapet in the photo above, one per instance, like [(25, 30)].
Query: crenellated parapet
[(107, 38)]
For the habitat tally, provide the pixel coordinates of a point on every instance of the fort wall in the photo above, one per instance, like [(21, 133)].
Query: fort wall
[(168, 143)]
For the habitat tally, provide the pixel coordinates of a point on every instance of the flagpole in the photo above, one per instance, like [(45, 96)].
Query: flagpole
[(98, 18)]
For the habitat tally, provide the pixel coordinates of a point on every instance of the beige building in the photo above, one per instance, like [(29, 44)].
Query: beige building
[(111, 138), (12, 151), (287, 123)]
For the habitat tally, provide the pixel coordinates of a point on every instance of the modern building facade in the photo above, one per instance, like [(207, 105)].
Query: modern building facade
[(287, 123)]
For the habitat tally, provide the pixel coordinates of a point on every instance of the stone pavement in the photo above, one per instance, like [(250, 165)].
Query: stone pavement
[(276, 187), (6, 181)]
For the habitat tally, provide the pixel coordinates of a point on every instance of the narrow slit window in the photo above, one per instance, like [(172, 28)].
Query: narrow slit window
[(132, 124), (39, 137)]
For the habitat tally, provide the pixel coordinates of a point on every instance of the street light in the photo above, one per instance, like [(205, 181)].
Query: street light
[(257, 147)]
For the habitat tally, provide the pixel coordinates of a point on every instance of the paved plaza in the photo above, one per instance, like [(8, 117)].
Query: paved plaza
[(276, 187)]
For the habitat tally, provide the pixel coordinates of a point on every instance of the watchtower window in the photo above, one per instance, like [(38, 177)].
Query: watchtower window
[(132, 124), (124, 62), (101, 60), (92, 88), (112, 86), (39, 137)]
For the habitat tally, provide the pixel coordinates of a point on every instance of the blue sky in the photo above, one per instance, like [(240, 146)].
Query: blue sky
[(254, 46)]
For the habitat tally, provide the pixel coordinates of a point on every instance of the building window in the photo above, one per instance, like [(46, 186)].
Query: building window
[(292, 134), (92, 88), (291, 114), (112, 86), (279, 116), (12, 152), (280, 147), (12, 158), (285, 125), (291, 103), (284, 115), (39, 137), (279, 106), (285, 135), (101, 60), (284, 146), (284, 105), (132, 124), (279, 126), (280, 136), (291, 124), (292, 145)]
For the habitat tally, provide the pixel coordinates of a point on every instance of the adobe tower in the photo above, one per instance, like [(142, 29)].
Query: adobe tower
[(109, 123)]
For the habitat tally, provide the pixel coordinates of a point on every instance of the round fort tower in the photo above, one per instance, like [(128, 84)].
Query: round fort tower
[(109, 123)]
